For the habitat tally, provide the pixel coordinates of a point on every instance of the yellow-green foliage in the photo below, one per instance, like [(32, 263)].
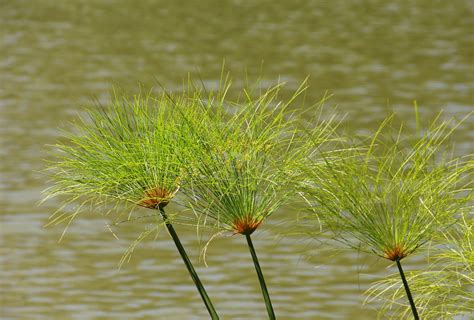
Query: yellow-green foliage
[(443, 290), (125, 152), (245, 155), (392, 195)]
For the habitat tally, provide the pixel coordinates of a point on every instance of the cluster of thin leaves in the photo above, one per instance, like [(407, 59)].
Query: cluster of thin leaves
[(245, 163), (445, 289), (127, 152), (235, 159), (393, 196)]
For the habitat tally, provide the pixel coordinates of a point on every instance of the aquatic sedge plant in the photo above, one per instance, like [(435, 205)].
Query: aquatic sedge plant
[(129, 153), (244, 160), (391, 197), (445, 288)]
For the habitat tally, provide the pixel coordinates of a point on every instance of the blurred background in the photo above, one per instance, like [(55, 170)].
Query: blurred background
[(59, 56)]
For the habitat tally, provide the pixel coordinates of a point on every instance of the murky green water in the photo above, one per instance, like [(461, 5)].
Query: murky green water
[(57, 56)]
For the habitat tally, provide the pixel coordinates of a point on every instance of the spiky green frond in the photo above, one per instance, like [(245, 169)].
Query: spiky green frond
[(445, 289), (393, 195), (127, 151), (245, 161)]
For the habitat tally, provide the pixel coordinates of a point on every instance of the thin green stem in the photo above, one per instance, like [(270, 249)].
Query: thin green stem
[(189, 266), (407, 289), (266, 296)]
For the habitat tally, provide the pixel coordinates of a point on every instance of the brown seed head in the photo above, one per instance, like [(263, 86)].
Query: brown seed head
[(155, 197), (395, 253), (246, 225)]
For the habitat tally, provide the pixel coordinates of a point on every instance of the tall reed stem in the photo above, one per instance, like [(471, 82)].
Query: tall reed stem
[(189, 266), (266, 296), (407, 289)]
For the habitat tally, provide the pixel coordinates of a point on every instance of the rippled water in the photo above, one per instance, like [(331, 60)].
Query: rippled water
[(57, 56)]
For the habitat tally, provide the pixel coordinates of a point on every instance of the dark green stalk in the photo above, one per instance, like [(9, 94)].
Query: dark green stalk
[(266, 296), (189, 266), (407, 289)]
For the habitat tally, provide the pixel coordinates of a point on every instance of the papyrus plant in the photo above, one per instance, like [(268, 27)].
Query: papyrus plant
[(126, 152), (445, 288), (244, 162), (390, 196)]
